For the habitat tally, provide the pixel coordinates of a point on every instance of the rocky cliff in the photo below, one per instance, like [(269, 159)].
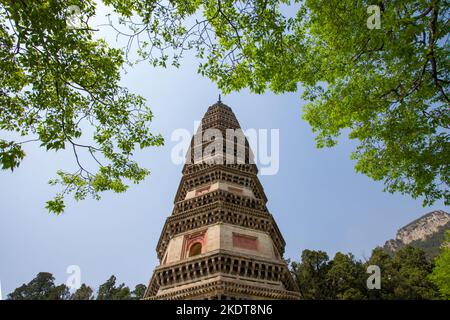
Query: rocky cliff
[(427, 233)]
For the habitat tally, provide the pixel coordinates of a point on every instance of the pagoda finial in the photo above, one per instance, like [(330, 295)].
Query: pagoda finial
[(220, 98)]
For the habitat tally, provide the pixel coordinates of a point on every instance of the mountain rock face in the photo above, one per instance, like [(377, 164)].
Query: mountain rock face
[(426, 233)]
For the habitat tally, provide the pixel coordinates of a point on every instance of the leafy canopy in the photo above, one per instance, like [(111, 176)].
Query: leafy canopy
[(61, 87), (388, 87), (405, 275), (42, 287)]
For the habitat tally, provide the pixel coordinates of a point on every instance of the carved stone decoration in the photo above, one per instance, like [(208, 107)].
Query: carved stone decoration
[(196, 238), (220, 242)]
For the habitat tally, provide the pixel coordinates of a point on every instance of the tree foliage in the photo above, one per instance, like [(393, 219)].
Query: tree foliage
[(403, 276), (84, 292), (406, 274), (109, 290), (60, 87), (388, 87), (43, 287), (346, 278), (311, 274), (441, 272)]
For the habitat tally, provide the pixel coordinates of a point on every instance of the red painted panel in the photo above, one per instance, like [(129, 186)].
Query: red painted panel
[(245, 242)]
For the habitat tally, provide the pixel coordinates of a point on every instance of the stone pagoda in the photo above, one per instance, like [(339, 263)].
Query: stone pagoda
[(220, 242)]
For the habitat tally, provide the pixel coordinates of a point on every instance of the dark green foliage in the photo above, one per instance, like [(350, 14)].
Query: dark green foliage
[(432, 244), (403, 276), (109, 291), (388, 87), (83, 293), (138, 292), (59, 87), (411, 268), (40, 288)]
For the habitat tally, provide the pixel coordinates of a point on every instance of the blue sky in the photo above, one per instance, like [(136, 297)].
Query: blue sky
[(317, 198)]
